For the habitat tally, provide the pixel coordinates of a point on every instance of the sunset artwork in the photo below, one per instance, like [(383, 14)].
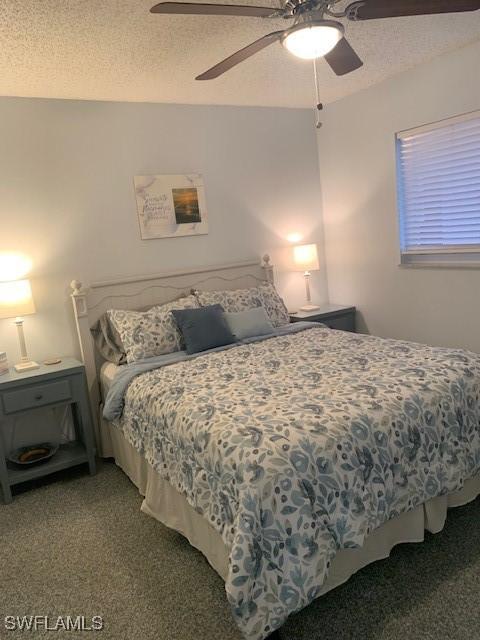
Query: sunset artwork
[(171, 206), (185, 202)]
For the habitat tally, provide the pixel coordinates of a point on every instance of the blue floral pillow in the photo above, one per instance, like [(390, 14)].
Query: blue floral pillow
[(236, 300), (232, 300), (274, 305), (145, 334)]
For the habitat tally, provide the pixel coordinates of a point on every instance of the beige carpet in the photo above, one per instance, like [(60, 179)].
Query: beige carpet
[(79, 545)]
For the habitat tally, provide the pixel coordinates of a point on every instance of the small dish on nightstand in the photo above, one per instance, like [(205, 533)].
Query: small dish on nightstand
[(33, 454)]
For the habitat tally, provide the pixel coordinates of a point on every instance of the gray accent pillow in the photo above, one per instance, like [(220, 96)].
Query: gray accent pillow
[(107, 341), (249, 323), (203, 328)]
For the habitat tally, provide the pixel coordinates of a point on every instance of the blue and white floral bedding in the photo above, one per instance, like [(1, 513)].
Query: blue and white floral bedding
[(300, 445)]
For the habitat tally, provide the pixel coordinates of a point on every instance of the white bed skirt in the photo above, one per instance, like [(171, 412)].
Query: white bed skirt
[(163, 502)]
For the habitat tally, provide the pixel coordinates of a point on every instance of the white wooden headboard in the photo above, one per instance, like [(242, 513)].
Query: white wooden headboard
[(141, 292)]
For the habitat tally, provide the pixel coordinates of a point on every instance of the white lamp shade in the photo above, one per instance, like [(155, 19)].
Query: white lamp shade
[(16, 299), (13, 266), (305, 257)]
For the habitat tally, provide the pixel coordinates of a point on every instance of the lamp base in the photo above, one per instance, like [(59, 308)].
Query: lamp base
[(26, 366), (310, 307)]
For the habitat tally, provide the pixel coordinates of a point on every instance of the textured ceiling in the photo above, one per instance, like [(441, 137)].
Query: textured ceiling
[(117, 50)]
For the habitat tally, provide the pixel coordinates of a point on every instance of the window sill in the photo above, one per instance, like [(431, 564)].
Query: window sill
[(440, 265)]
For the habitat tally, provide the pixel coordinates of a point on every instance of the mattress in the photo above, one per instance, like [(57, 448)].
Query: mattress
[(303, 446), (165, 504), (162, 502)]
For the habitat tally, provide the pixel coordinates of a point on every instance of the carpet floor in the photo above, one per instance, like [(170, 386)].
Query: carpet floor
[(79, 545)]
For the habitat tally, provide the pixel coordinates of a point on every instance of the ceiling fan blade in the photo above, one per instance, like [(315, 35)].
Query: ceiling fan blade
[(373, 9), (206, 9), (343, 59), (240, 56)]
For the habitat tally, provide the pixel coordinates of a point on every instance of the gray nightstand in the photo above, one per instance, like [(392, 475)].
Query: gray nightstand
[(333, 315), (47, 386)]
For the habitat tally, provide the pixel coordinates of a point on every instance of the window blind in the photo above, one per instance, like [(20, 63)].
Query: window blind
[(439, 188)]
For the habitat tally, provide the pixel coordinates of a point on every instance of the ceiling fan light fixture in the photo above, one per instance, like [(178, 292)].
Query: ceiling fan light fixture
[(310, 40)]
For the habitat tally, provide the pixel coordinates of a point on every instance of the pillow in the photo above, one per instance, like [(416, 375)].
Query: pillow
[(274, 305), (249, 323), (107, 341), (145, 334), (265, 295), (203, 328), (233, 300)]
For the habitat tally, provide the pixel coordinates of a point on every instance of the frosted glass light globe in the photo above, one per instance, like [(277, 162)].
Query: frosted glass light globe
[(311, 41)]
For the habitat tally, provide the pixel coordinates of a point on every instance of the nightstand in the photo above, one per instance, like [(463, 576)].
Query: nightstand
[(48, 386), (333, 315)]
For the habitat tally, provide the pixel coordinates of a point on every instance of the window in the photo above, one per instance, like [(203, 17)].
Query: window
[(438, 172)]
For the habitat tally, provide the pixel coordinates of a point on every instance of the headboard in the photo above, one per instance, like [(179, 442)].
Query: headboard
[(140, 292)]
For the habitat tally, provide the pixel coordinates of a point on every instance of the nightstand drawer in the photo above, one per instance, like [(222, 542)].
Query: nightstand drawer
[(36, 396), (331, 315), (342, 322)]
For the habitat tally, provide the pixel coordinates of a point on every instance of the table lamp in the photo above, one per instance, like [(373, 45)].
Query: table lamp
[(305, 257), (16, 301)]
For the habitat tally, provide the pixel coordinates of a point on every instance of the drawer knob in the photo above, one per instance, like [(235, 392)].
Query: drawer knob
[(39, 397)]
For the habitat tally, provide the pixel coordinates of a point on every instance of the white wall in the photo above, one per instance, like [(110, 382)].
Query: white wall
[(357, 161), (67, 199)]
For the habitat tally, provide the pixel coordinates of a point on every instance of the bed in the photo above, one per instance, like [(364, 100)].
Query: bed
[(293, 460)]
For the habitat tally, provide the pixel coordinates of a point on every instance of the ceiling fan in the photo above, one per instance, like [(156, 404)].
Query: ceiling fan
[(313, 33)]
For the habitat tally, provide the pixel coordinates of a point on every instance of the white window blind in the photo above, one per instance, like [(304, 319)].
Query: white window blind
[(439, 191)]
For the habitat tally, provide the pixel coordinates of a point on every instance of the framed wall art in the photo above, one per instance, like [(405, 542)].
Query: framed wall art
[(171, 206)]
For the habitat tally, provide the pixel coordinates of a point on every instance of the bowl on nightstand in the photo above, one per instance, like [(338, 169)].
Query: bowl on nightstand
[(33, 454)]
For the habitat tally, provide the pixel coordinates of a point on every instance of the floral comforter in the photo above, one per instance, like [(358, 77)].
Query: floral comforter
[(300, 445)]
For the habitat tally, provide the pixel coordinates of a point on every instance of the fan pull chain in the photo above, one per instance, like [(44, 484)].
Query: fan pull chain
[(319, 105)]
